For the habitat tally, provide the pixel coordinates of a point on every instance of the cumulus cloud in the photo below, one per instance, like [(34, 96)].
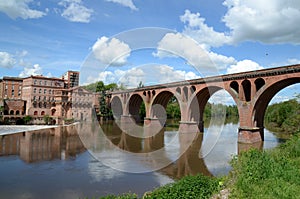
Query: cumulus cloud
[(7, 60), (75, 11), (192, 51), (111, 51), (150, 74), (20, 8), (34, 70), (197, 29), (268, 21), (243, 66), (126, 3)]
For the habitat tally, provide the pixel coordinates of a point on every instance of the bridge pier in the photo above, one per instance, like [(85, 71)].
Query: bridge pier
[(249, 135), (189, 127)]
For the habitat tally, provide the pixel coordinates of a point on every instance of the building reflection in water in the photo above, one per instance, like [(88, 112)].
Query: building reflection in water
[(43, 145)]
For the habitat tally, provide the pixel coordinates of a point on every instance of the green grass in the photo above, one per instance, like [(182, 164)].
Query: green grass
[(267, 174)]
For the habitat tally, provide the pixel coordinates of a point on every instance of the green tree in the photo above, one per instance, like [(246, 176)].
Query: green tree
[(47, 119), (27, 119)]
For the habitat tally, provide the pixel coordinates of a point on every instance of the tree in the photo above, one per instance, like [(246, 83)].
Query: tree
[(27, 119), (111, 87), (100, 86), (47, 119)]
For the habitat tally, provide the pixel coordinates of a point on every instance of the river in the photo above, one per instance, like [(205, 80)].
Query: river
[(79, 161)]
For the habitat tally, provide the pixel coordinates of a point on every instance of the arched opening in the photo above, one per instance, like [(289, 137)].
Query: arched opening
[(221, 105), (198, 104), (260, 82), (116, 107), (137, 108), (35, 113), (273, 95), (247, 90), (43, 113), (53, 112), (11, 112), (166, 108), (17, 112), (235, 86)]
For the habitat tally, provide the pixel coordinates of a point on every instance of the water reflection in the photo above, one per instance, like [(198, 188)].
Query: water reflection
[(43, 145), (54, 163)]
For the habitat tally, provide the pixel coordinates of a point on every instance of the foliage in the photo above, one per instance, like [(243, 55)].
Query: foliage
[(283, 117), (198, 186), (123, 196), (268, 174), (100, 86), (27, 119), (47, 119)]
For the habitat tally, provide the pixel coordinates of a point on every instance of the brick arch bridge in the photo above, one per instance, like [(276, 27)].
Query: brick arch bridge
[(251, 91)]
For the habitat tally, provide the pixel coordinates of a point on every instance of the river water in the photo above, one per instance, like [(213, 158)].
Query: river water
[(88, 160)]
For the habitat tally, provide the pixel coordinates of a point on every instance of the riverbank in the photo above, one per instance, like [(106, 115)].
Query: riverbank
[(255, 173), (11, 129)]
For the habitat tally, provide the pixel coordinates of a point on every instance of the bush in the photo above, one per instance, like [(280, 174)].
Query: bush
[(198, 186)]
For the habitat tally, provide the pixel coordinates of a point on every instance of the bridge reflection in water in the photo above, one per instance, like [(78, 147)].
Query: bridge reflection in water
[(169, 151)]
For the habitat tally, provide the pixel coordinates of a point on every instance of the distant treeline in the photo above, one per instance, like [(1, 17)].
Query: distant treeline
[(283, 117)]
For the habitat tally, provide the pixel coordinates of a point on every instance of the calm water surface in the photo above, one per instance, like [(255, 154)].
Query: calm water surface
[(61, 163)]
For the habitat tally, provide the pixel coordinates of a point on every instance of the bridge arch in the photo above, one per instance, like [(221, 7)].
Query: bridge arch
[(116, 106), (199, 101), (162, 99), (133, 106), (266, 96)]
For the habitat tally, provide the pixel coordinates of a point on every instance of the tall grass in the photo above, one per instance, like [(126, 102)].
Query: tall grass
[(268, 174)]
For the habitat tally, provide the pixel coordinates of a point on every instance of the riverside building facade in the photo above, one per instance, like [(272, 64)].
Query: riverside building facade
[(39, 97)]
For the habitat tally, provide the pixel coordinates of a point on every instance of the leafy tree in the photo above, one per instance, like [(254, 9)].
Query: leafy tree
[(100, 86), (27, 119), (111, 87), (47, 119)]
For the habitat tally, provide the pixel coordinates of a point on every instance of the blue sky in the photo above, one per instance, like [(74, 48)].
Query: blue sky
[(100, 38)]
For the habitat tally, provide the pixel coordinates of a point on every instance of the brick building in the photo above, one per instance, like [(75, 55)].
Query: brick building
[(40, 96)]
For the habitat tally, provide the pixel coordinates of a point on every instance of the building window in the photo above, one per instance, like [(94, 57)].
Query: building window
[(12, 92), (43, 113), (45, 83), (45, 91), (40, 82), (34, 82), (34, 90), (50, 92), (35, 113), (40, 91)]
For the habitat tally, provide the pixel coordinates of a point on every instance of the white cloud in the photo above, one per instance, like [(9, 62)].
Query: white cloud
[(19, 8), (75, 11), (268, 21), (35, 70), (111, 51), (193, 52), (150, 74), (198, 30), (126, 3), (6, 60), (243, 66)]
